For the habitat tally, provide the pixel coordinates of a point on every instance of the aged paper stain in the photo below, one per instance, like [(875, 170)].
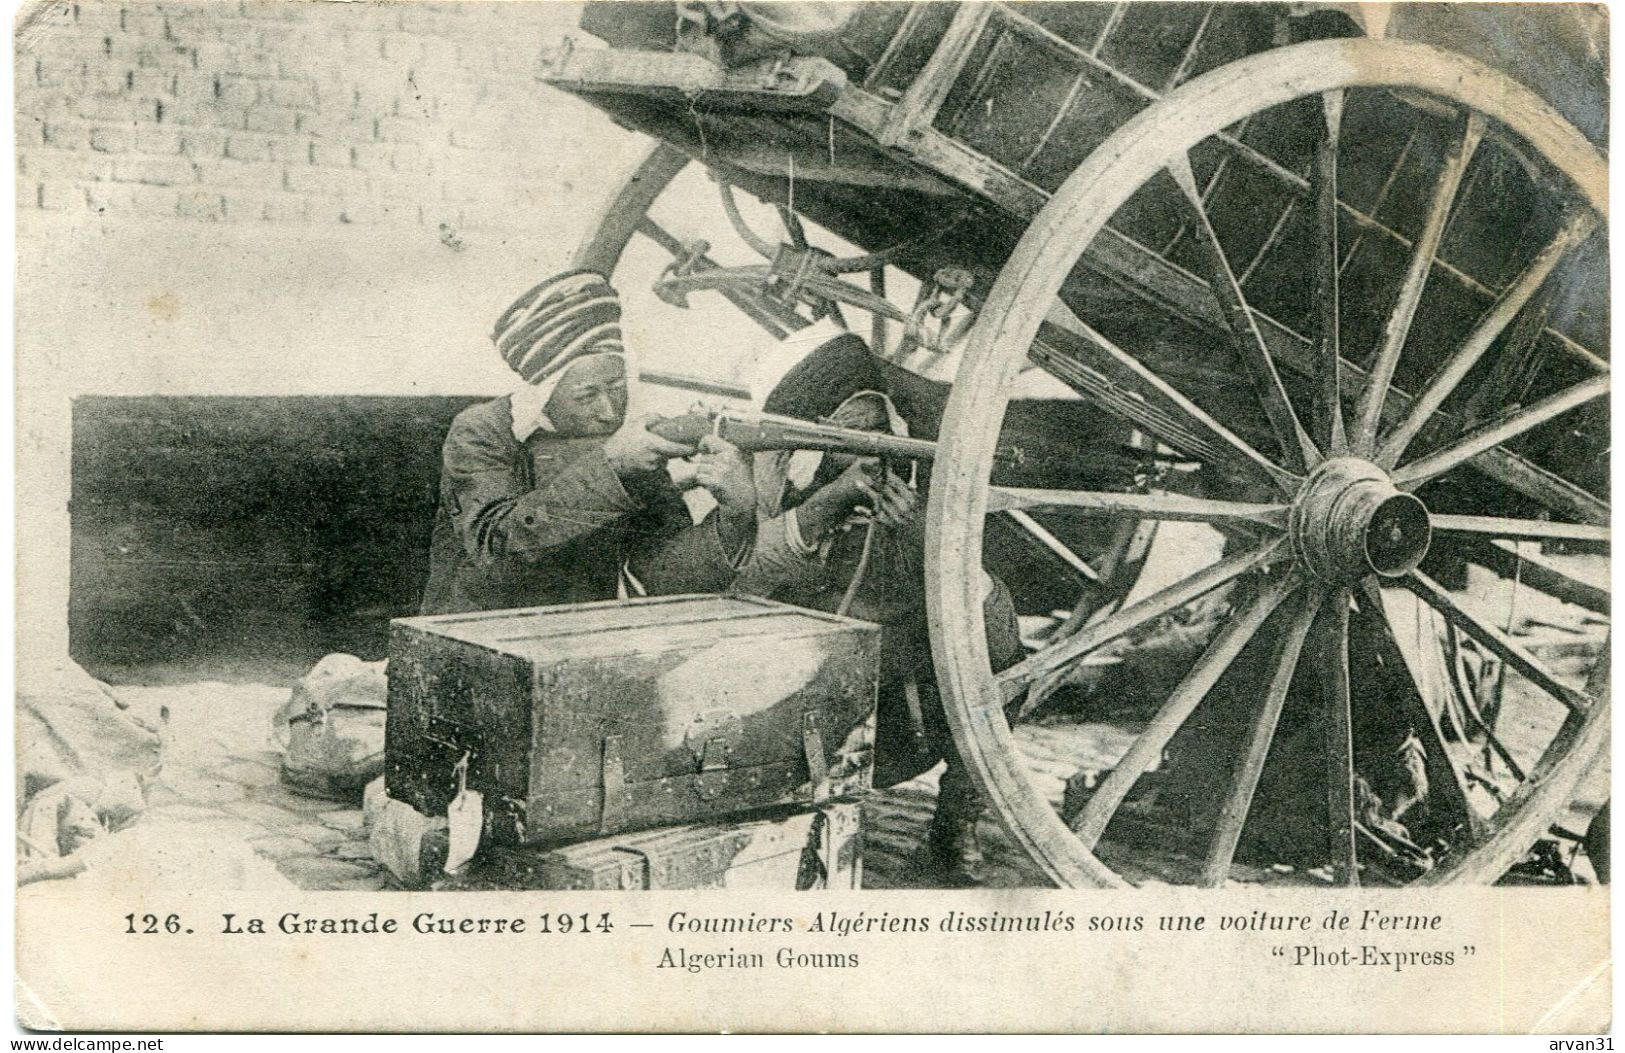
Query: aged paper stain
[(165, 307)]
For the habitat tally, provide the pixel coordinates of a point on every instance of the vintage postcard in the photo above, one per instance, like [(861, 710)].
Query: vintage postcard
[(802, 516)]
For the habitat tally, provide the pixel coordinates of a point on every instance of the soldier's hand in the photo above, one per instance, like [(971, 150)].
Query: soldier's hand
[(722, 468), (636, 449), (896, 503), (856, 486)]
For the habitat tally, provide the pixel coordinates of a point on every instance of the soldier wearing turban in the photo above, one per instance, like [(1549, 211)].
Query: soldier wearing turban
[(838, 533), (549, 496)]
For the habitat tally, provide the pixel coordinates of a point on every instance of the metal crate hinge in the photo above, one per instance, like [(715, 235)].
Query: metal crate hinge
[(637, 870)]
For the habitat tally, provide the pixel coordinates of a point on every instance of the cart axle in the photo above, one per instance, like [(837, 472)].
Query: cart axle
[(1350, 520)]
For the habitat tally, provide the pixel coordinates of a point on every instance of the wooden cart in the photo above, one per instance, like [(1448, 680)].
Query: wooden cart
[(1329, 280)]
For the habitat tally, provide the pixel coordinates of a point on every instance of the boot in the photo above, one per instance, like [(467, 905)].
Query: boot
[(952, 853)]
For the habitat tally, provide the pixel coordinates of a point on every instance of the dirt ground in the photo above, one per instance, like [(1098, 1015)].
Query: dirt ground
[(220, 786), (219, 815)]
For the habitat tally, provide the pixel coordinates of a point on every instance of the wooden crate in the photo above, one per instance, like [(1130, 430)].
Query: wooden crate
[(818, 848), (591, 719)]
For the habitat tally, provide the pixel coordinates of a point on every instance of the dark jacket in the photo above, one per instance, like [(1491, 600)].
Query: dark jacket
[(548, 521), (911, 730)]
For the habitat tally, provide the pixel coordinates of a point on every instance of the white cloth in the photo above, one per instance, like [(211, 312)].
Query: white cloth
[(529, 401), (528, 404)]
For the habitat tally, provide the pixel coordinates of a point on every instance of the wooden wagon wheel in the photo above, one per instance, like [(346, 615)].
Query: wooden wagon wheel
[(1106, 576), (1338, 519)]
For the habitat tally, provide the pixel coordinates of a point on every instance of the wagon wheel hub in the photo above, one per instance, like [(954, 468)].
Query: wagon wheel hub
[(1329, 513), (1349, 520)]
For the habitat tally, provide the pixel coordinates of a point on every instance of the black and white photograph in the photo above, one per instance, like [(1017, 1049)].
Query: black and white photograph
[(1024, 454)]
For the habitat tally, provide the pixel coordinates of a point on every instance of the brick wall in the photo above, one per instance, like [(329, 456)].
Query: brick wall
[(412, 114), (301, 198)]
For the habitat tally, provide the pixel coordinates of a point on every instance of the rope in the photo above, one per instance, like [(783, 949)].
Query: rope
[(858, 574), (731, 209)]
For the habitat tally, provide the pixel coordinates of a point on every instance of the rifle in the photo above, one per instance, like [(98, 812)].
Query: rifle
[(756, 432)]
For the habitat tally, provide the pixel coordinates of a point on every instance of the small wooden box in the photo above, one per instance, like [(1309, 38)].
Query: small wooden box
[(819, 848), (591, 719)]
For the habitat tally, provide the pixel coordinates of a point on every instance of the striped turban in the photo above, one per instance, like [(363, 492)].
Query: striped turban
[(559, 321)]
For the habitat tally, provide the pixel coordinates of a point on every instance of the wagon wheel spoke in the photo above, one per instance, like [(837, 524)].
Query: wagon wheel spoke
[(1522, 529), (877, 322), (1499, 432), (1166, 507), (1508, 560), (1332, 662), (1233, 814), (1060, 549), (1329, 432), (1452, 639), (1368, 412), (1297, 449), (1231, 446), (1105, 593), (1128, 547), (1501, 314), (658, 234), (1013, 680), (1371, 600), (1518, 361), (1504, 647), (1539, 798), (1346, 521), (1226, 644)]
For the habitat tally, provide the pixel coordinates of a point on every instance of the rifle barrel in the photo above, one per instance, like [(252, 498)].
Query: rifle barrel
[(760, 432), (787, 433)]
